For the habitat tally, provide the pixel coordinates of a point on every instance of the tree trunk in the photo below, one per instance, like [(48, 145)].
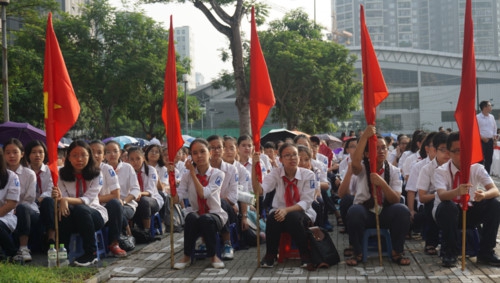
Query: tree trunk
[(242, 93)]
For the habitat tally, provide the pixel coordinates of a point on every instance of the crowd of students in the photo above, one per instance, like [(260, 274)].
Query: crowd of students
[(416, 187)]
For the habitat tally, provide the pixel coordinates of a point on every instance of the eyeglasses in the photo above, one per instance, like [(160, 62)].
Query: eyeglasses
[(442, 149), (455, 151), (290, 156), (154, 152), (214, 148), (383, 148)]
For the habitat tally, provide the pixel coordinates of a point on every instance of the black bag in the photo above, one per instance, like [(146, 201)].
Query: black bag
[(143, 237), (178, 217), (127, 243), (323, 251)]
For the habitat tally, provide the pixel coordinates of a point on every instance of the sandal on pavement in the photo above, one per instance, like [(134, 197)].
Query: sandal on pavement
[(400, 259), (430, 250), (348, 252), (339, 221), (354, 260)]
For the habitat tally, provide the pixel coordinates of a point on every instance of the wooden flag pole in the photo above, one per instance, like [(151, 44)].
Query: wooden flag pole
[(172, 254), (56, 222), (464, 232), (377, 221), (257, 199)]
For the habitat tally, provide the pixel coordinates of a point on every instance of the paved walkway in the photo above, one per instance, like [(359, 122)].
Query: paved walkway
[(152, 264)]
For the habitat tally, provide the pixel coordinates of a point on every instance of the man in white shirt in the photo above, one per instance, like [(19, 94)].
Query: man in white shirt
[(488, 131), (483, 206)]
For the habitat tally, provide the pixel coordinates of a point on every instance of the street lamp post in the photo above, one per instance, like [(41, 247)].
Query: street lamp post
[(5, 76), (185, 80)]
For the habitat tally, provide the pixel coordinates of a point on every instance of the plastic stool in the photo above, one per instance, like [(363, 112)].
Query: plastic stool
[(202, 254), (155, 227), (287, 249), (370, 246), (76, 246)]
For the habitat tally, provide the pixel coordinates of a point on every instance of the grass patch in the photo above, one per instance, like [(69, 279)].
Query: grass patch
[(13, 273)]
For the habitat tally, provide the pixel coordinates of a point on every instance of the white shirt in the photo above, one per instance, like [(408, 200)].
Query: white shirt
[(402, 158), (149, 183), (46, 180), (362, 191), (229, 188), (162, 172), (129, 185), (248, 166), (110, 180), (411, 185), (306, 183), (344, 164), (27, 179), (90, 197), (323, 159), (211, 192), (487, 125), (425, 177), (243, 177), (443, 179), (11, 191), (409, 162)]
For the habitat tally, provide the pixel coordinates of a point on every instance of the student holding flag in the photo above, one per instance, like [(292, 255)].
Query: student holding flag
[(483, 208)]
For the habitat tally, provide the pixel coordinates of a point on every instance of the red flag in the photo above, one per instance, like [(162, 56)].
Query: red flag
[(170, 112), (261, 90), (374, 88), (465, 114), (61, 107)]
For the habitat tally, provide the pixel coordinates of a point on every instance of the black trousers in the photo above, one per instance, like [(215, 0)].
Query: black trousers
[(115, 214), (449, 220), (395, 217), (487, 154), (5, 240), (295, 224), (83, 220), (431, 229), (206, 226), (146, 207)]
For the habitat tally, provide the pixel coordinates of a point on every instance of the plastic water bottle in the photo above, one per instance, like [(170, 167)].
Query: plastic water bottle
[(52, 256), (63, 256)]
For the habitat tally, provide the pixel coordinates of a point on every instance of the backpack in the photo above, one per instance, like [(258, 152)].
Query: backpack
[(323, 251), (178, 217)]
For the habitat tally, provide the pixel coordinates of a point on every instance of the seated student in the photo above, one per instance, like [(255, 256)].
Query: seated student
[(483, 206), (9, 196), (109, 197), (205, 217), (413, 202), (80, 181), (149, 200), (36, 156), (291, 207), (27, 211), (394, 215), (271, 153), (426, 190), (153, 156), (129, 185), (228, 193)]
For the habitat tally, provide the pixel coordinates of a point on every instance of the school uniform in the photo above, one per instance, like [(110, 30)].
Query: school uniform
[(148, 205), (27, 212), (162, 173), (203, 221), (44, 184), (295, 223), (113, 206), (425, 183), (85, 218), (448, 213), (411, 185), (129, 185), (8, 222), (395, 217)]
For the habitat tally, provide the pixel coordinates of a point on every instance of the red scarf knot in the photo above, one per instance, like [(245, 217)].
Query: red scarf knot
[(80, 182), (202, 202), (292, 195)]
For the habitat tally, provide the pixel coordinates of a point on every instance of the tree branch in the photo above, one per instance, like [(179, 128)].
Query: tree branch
[(225, 30), (220, 12)]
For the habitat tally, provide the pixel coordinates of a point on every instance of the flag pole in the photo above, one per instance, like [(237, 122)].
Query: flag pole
[(172, 254), (56, 227), (464, 221), (258, 228), (377, 223)]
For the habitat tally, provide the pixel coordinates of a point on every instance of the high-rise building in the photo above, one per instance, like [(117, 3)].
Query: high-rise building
[(421, 24), (73, 7), (184, 45)]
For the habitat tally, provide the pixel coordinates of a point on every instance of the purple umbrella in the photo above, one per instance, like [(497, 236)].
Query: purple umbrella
[(21, 131)]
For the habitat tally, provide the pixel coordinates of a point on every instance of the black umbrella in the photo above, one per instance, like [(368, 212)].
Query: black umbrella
[(279, 134)]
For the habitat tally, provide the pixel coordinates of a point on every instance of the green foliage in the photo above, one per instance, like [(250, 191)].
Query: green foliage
[(27, 273), (312, 79)]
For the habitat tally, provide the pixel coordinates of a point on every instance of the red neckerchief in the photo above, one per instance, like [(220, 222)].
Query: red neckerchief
[(141, 182), (79, 179), (202, 202), (39, 181), (291, 187), (456, 183), (380, 196)]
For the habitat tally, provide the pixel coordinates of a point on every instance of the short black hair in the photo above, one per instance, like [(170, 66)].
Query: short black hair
[(269, 144), (453, 137), (483, 104), (440, 138)]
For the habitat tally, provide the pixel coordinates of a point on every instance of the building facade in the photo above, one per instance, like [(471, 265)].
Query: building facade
[(184, 45)]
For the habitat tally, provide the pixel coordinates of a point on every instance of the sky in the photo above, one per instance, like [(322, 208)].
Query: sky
[(208, 41)]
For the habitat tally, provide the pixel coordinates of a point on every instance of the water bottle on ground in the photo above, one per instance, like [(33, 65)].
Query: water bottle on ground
[(52, 256), (63, 256)]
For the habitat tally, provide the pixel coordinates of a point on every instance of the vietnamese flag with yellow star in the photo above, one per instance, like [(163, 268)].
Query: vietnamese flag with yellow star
[(60, 104)]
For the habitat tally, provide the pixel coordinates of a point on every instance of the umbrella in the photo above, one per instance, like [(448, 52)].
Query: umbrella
[(142, 142), (394, 136), (187, 140), (21, 131), (123, 140), (333, 142), (107, 139), (280, 134)]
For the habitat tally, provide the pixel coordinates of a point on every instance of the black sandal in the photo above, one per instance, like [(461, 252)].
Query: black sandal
[(430, 250), (400, 259), (354, 260), (348, 252)]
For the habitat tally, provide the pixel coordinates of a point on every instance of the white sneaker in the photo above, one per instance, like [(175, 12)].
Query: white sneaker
[(228, 252), (25, 253)]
